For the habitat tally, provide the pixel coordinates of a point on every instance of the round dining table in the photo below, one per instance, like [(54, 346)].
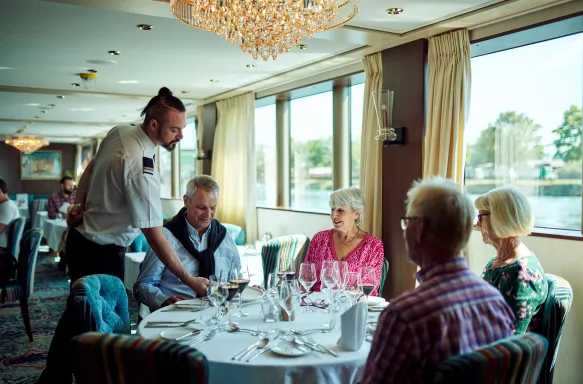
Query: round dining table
[(269, 367)]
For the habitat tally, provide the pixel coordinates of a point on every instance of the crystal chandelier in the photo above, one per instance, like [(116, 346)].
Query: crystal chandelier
[(26, 143), (265, 28)]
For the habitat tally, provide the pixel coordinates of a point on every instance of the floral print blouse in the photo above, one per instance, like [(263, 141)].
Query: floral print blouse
[(523, 285)]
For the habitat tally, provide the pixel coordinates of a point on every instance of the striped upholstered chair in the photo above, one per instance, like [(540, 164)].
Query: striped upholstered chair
[(282, 253), (555, 311), (100, 304), (21, 287), (15, 236), (515, 360), (113, 359)]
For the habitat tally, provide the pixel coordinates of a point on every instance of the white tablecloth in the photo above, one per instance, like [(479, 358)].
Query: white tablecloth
[(39, 218), (270, 368), (53, 229), (132, 268)]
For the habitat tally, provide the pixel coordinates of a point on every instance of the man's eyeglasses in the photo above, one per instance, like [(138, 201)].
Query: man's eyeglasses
[(305, 301), (405, 221), (482, 215)]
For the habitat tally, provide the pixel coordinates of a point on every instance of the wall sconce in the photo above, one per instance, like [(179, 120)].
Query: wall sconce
[(383, 104)]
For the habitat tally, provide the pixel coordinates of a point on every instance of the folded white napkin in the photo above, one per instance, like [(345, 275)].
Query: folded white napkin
[(353, 327)]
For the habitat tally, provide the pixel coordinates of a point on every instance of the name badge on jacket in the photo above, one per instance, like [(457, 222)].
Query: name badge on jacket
[(148, 165)]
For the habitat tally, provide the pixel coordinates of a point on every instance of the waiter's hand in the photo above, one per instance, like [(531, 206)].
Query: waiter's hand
[(75, 216), (199, 285)]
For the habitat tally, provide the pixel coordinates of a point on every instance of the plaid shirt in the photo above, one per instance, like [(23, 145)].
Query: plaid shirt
[(453, 311), (56, 200)]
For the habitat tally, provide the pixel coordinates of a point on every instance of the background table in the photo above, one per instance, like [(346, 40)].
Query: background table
[(53, 229), (270, 368)]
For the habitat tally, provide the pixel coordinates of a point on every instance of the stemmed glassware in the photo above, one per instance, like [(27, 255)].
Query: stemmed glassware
[(217, 293), (240, 278), (352, 289), (307, 278), (367, 281), (232, 289), (286, 302)]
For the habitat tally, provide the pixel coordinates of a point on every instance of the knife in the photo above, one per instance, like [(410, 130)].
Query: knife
[(262, 351), (320, 346)]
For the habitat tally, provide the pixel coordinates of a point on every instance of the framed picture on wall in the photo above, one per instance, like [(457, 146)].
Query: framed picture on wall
[(41, 165)]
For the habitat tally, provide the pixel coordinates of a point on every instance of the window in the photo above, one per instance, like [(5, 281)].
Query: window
[(524, 127), (311, 152), (356, 107), (266, 160), (164, 159), (187, 155)]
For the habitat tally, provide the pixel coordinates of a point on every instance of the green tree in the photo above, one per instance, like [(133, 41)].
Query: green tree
[(512, 132), (569, 142)]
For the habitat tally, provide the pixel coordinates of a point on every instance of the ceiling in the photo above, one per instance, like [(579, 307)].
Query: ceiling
[(44, 45)]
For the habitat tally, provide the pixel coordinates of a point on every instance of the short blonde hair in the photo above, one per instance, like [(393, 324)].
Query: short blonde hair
[(448, 210), (510, 211), (350, 198)]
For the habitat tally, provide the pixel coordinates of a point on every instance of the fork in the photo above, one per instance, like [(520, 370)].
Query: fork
[(177, 323), (206, 337)]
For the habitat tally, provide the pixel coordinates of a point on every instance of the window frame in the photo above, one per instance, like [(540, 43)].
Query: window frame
[(529, 35)]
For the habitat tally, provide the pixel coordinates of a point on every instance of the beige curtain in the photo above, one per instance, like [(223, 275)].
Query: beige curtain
[(448, 104), (199, 133), (371, 176), (233, 162)]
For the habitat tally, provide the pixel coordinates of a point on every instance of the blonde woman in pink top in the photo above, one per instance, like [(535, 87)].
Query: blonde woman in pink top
[(346, 242)]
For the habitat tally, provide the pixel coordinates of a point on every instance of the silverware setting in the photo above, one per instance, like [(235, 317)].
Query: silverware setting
[(205, 337), (259, 344), (156, 324), (321, 347)]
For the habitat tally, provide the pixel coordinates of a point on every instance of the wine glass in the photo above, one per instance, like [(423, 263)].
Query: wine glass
[(240, 278), (216, 293), (352, 289), (288, 272), (367, 281), (343, 268), (286, 302), (307, 277), (232, 290)]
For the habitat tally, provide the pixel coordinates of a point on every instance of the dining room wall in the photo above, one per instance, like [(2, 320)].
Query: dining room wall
[(10, 169)]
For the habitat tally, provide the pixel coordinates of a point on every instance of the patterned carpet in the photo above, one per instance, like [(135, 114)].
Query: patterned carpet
[(20, 360)]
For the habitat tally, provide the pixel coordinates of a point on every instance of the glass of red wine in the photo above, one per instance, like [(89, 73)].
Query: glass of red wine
[(367, 281), (232, 289), (240, 278)]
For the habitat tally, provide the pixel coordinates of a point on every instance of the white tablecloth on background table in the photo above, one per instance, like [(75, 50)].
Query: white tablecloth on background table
[(53, 229), (39, 218), (270, 368), (132, 268)]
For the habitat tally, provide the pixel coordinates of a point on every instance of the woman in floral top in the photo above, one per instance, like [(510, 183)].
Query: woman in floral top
[(504, 216)]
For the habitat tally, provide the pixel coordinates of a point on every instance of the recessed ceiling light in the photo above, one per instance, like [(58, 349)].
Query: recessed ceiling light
[(214, 80), (32, 105), (128, 81), (251, 66), (394, 11), (303, 46), (82, 109), (145, 27), (43, 111), (75, 84), (185, 92), (52, 105), (30, 122), (92, 70), (101, 62), (114, 53), (60, 97), (36, 117)]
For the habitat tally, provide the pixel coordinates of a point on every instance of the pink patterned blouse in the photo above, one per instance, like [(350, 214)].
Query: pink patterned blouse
[(369, 253)]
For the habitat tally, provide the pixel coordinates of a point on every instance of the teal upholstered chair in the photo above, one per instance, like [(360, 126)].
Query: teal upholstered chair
[(283, 252), (21, 287), (140, 244), (15, 236), (384, 276), (555, 311), (112, 359), (236, 232), (100, 304), (515, 360)]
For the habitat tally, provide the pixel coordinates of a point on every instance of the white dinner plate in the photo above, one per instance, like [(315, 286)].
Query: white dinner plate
[(373, 301), (285, 348), (252, 294), (174, 333), (192, 303)]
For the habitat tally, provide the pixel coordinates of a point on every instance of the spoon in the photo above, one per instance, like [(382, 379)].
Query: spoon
[(259, 345), (303, 344), (309, 331), (234, 328)]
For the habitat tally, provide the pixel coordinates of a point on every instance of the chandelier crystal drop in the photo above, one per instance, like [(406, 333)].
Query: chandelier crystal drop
[(26, 143), (265, 28)]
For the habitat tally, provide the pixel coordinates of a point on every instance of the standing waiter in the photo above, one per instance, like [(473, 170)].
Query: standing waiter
[(119, 195)]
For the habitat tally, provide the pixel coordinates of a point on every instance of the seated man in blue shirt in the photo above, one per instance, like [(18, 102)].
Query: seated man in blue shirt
[(202, 244)]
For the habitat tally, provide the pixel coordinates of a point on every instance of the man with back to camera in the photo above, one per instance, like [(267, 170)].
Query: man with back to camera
[(119, 195)]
